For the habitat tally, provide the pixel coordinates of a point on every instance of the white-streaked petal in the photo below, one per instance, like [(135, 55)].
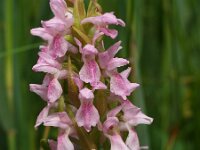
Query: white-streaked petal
[(54, 90), (42, 116)]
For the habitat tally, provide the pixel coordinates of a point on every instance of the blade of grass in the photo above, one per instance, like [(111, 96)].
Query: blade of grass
[(9, 68), (166, 69), (20, 49)]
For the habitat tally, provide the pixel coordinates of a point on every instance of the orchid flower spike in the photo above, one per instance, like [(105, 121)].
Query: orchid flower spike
[(86, 96)]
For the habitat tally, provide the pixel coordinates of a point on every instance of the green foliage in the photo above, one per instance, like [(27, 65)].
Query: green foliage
[(161, 40)]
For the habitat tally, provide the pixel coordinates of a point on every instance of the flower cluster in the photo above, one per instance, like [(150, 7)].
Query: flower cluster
[(84, 92)]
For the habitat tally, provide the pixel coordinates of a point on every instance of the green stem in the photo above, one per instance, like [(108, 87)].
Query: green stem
[(46, 132)]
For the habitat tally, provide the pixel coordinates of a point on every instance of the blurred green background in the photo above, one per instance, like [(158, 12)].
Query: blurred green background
[(162, 41)]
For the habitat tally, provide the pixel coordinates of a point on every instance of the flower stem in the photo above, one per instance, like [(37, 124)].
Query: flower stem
[(46, 132)]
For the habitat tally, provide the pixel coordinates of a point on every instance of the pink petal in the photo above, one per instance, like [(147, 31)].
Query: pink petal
[(132, 140), (117, 143), (114, 49), (133, 86), (98, 85), (96, 36), (43, 67), (42, 116), (79, 45), (62, 74), (109, 124), (105, 57), (44, 48), (41, 32), (87, 116), (109, 32), (126, 73), (45, 58), (105, 19), (114, 112), (121, 22), (64, 142), (47, 79), (55, 26), (121, 86), (54, 90), (90, 72), (110, 18), (59, 8), (116, 62), (133, 114), (49, 90), (78, 81), (94, 20), (39, 90), (69, 19), (49, 60), (102, 21), (60, 120), (59, 46)]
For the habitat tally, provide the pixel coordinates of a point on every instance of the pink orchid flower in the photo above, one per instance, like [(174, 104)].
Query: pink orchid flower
[(50, 90), (90, 71), (58, 46), (109, 128), (120, 85), (63, 142), (107, 60), (42, 116), (55, 29), (64, 123), (60, 120), (47, 64), (102, 22), (87, 115), (133, 115)]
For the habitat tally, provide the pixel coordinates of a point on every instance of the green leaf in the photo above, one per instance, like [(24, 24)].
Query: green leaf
[(79, 12), (80, 35), (94, 9), (73, 89), (100, 103)]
